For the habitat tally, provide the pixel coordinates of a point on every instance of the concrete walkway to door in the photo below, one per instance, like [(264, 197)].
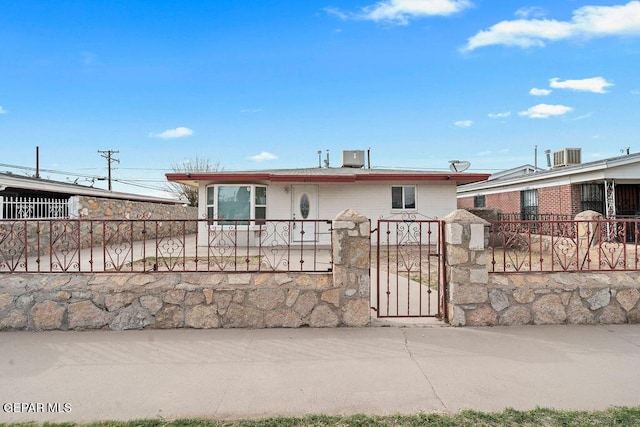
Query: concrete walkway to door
[(236, 373), (400, 296)]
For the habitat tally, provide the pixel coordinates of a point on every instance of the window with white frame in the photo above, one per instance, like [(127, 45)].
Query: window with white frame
[(403, 197), (228, 203)]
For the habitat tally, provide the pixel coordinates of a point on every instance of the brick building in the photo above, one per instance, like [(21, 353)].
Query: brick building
[(610, 186)]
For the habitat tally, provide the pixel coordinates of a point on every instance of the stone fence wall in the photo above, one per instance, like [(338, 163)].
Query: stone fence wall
[(475, 297), (198, 300), (101, 208), (112, 209), (478, 298), (40, 235)]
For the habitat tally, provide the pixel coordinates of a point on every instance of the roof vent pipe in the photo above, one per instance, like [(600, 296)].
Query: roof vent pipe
[(548, 154), (326, 161)]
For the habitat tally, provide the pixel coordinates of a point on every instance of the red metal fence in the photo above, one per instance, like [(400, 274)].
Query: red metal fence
[(410, 268), (576, 245), (53, 246)]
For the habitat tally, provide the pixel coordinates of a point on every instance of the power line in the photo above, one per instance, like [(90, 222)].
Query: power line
[(57, 172), (107, 155), (81, 175), (133, 182)]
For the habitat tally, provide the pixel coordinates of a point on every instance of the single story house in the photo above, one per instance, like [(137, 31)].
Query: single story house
[(321, 193), (610, 186)]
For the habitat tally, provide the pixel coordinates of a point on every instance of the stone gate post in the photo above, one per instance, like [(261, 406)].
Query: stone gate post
[(467, 275), (351, 249)]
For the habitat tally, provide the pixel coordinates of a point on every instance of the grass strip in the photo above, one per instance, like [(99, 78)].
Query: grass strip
[(539, 417)]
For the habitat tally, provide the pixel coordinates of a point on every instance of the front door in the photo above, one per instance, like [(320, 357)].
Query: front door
[(304, 207)]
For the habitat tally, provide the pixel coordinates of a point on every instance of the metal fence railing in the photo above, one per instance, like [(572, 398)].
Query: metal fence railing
[(575, 245), (74, 245), (519, 216), (15, 207), (410, 270)]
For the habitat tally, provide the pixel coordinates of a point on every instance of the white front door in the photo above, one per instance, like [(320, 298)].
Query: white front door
[(304, 206)]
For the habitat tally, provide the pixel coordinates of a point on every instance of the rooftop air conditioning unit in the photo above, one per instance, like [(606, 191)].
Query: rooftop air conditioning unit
[(353, 159), (567, 157)]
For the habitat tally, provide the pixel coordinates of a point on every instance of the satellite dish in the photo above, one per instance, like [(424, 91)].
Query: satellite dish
[(458, 166)]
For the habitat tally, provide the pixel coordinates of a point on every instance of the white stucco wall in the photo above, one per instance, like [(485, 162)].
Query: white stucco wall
[(373, 200), (433, 199)]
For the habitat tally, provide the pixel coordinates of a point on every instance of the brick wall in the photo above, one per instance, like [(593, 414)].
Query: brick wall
[(465, 203), (559, 200), (506, 202), (576, 199)]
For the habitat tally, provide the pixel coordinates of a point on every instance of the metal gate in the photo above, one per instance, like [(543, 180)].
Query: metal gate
[(409, 268)]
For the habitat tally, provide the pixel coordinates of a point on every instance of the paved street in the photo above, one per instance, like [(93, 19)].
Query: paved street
[(101, 375)]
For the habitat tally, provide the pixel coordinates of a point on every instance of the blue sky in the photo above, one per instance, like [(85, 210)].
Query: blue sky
[(266, 84)]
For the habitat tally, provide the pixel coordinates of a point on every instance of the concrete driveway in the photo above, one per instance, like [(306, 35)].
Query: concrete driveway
[(99, 375)]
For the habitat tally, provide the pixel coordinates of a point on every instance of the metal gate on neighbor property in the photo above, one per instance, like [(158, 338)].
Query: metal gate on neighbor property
[(409, 264)]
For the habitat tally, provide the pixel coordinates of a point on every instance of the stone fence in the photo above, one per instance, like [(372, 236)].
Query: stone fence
[(64, 301), (100, 217), (475, 297), (113, 209), (103, 208), (479, 298)]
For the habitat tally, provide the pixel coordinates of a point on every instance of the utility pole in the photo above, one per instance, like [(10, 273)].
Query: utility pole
[(107, 155)]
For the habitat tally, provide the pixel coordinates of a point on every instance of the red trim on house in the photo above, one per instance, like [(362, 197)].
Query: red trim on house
[(292, 178)]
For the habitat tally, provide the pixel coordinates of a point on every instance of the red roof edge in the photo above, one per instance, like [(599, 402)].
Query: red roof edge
[(292, 178)]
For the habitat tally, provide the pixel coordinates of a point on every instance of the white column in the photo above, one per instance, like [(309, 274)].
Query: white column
[(610, 198)]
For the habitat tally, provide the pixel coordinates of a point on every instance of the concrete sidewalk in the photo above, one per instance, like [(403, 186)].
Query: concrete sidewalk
[(102, 375)]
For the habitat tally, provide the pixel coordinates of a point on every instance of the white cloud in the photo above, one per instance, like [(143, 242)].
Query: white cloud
[(179, 132), (594, 84), (528, 12), (400, 12), (539, 92), (337, 12), (2, 110), (262, 157), (499, 115), (587, 21), (463, 123), (633, 92), (544, 111), (251, 110), (584, 116)]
